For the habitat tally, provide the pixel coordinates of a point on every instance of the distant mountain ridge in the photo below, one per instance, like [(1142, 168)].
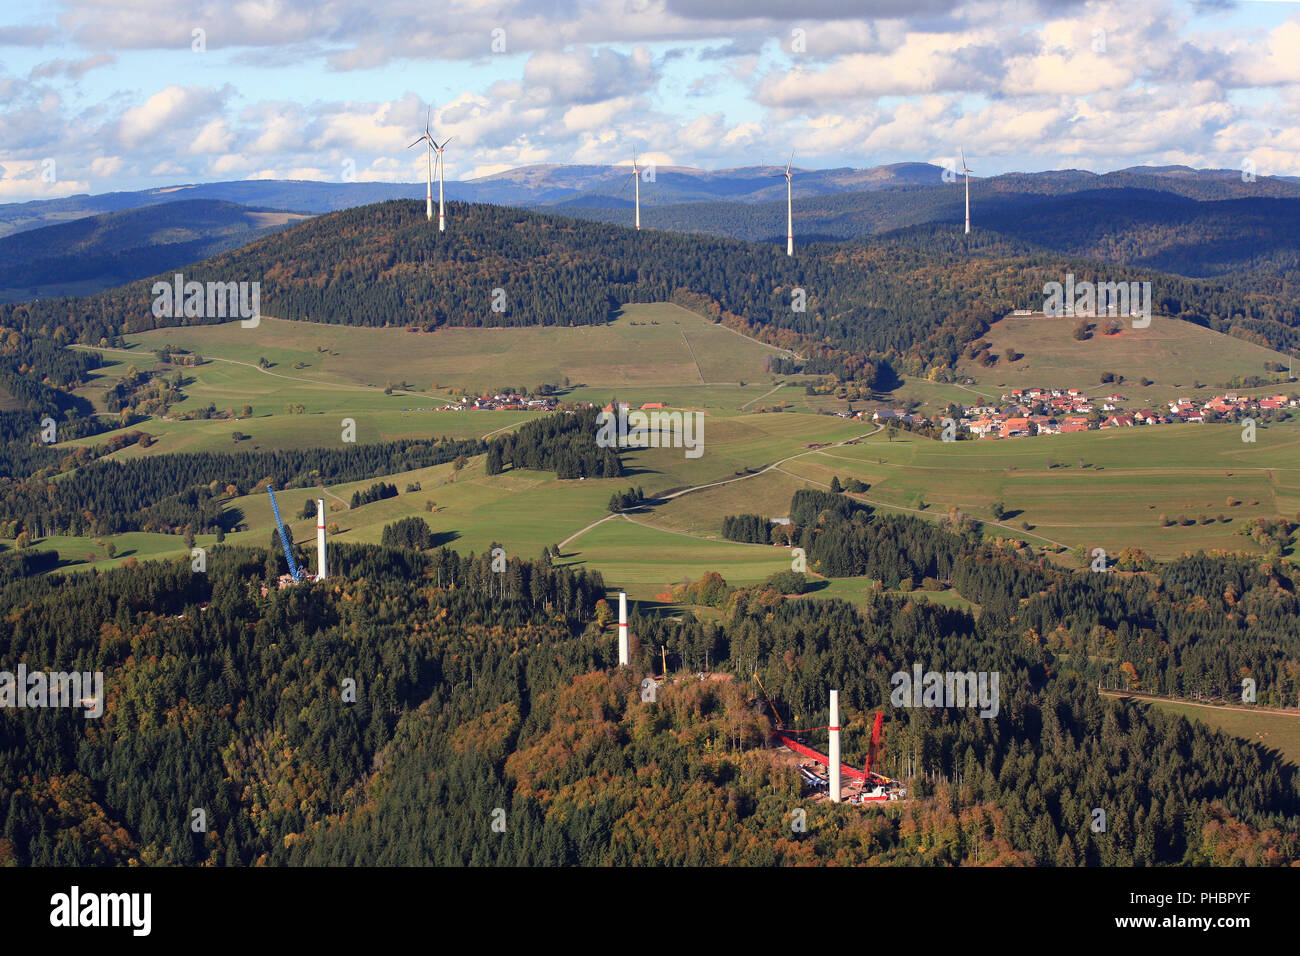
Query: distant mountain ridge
[(99, 252), (557, 185), (1197, 223)]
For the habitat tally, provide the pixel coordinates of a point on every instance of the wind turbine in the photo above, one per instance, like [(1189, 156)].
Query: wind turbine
[(432, 146), (789, 208), (442, 168), (427, 139), (967, 171), (636, 180)]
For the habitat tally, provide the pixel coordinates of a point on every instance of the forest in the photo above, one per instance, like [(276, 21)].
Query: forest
[(393, 713), (564, 443), (188, 490)]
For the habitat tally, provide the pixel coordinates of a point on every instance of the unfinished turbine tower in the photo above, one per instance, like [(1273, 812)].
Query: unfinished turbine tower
[(833, 757), (623, 654), (322, 569)]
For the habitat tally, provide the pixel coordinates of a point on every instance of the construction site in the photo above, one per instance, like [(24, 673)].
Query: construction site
[(824, 775), (297, 574)]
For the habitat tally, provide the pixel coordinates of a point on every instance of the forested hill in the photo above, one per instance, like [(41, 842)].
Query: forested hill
[(911, 299), (476, 693), (1148, 227)]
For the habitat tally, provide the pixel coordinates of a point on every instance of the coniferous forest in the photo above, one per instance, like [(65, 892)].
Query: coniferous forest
[(404, 709), (392, 713)]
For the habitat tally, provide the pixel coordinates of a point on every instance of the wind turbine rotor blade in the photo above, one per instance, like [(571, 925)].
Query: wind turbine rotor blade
[(420, 140)]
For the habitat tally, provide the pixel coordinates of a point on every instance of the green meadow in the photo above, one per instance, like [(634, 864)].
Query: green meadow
[(647, 346), (1106, 489), (1173, 354)]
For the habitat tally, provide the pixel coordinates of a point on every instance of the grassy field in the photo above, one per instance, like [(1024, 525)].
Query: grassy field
[(647, 345), (82, 553), (1107, 489), (649, 353), (1132, 477), (1173, 354)]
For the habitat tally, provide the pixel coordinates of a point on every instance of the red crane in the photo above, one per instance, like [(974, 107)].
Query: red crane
[(873, 753)]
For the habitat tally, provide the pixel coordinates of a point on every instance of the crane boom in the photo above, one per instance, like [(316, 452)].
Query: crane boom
[(776, 721), (294, 571), (873, 754)]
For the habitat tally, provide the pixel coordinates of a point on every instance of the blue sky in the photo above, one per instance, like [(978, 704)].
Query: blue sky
[(101, 95)]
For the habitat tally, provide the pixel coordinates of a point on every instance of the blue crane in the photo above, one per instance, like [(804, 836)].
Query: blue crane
[(294, 571)]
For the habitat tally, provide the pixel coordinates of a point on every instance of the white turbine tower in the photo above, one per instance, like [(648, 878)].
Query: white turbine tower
[(967, 171), (636, 182), (789, 208), (442, 212), (427, 139), (432, 146)]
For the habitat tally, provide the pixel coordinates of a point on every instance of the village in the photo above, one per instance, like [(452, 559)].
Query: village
[(1054, 411), (512, 401)]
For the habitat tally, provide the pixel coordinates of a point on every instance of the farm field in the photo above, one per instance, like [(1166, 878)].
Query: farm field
[(666, 362), (74, 551), (645, 560), (525, 510), (1093, 495), (649, 345), (1173, 354), (1185, 471)]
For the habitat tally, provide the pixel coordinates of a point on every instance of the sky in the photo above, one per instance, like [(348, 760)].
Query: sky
[(105, 95)]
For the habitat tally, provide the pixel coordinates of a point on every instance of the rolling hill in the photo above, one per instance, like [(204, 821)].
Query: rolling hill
[(111, 249), (914, 297)]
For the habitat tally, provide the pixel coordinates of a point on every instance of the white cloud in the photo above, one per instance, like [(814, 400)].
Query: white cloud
[(587, 82), (21, 180), (596, 115), (168, 111), (102, 167), (215, 137)]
